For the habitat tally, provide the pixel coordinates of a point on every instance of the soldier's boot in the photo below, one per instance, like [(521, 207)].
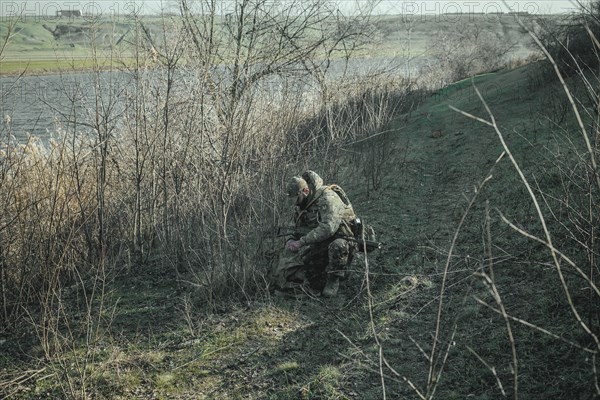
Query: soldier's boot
[(332, 286)]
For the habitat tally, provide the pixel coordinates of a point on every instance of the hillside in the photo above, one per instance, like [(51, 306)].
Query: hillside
[(430, 163), (50, 43)]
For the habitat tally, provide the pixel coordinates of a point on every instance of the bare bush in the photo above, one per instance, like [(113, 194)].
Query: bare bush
[(178, 159), (562, 191), (570, 40), (533, 288), (465, 50)]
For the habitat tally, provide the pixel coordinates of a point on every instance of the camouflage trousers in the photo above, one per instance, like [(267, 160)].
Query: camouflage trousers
[(330, 257)]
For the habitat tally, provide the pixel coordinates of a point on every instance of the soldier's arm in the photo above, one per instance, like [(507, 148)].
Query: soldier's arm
[(330, 213)]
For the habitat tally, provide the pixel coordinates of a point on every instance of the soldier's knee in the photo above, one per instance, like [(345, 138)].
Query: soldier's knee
[(339, 247), (286, 269), (339, 254)]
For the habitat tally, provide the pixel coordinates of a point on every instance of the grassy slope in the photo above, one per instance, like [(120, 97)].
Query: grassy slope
[(396, 31), (34, 46), (419, 209), (277, 348), (34, 49)]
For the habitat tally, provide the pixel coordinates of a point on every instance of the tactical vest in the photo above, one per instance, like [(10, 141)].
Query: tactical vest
[(348, 217)]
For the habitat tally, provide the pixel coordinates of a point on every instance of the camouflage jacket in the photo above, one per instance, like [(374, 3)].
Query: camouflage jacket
[(325, 214)]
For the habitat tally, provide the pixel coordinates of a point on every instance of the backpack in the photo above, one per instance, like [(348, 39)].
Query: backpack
[(340, 192), (364, 234)]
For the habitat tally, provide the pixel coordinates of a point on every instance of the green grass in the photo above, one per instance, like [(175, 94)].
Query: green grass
[(32, 41), (307, 348), (32, 47), (15, 67)]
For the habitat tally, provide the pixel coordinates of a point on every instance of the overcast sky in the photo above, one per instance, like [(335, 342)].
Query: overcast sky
[(122, 7)]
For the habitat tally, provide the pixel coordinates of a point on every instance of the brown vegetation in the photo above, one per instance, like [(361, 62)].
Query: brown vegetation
[(180, 171)]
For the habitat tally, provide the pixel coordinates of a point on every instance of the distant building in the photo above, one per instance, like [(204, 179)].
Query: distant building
[(69, 13)]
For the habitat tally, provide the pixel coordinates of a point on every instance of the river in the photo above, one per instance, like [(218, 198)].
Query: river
[(39, 104)]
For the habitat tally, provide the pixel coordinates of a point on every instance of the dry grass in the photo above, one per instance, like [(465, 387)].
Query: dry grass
[(179, 181)]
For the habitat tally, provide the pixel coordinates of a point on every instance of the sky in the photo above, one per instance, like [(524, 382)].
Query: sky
[(421, 7), (466, 6)]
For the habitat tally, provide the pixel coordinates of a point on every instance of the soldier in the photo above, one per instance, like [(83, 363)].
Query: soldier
[(323, 221)]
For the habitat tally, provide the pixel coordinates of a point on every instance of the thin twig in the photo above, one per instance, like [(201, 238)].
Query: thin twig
[(372, 323), (537, 328), (552, 248), (515, 365), (541, 218), (567, 91), (491, 368), (490, 280), (418, 346), (431, 380), (595, 369)]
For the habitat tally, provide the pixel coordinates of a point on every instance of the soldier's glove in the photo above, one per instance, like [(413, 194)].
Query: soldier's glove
[(293, 245)]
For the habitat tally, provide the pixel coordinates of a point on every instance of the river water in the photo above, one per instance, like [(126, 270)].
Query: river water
[(38, 104)]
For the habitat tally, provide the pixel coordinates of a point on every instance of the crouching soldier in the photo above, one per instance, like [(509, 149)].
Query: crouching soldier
[(318, 246)]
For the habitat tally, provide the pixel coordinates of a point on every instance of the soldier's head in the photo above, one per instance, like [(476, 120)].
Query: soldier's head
[(298, 190)]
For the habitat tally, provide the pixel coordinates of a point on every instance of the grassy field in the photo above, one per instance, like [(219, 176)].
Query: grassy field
[(39, 45), (51, 45), (157, 346), (421, 313)]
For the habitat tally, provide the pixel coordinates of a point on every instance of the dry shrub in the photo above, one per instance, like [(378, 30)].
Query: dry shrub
[(183, 166), (195, 196), (45, 230), (570, 40), (465, 50), (553, 232)]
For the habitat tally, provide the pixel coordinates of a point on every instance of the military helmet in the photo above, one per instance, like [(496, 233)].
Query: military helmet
[(313, 180), (295, 185)]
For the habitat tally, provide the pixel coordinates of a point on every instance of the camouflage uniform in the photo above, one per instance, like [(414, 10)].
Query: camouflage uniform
[(322, 223)]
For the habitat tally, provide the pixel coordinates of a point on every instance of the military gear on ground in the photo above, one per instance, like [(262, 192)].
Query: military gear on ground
[(312, 262), (365, 236)]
